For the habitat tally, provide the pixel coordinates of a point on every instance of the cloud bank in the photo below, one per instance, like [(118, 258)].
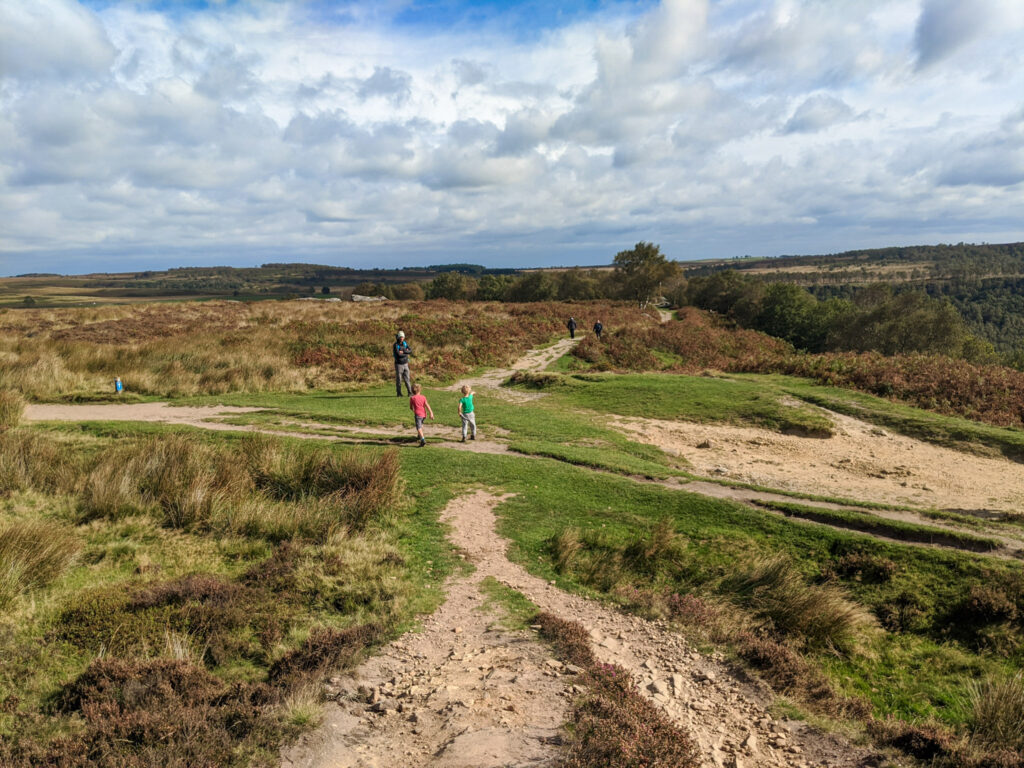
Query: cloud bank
[(136, 134)]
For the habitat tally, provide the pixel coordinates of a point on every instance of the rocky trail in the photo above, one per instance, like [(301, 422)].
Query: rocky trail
[(464, 692)]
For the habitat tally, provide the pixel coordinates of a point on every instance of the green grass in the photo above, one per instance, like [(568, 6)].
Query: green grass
[(896, 529), (596, 458), (516, 609), (689, 398), (719, 536)]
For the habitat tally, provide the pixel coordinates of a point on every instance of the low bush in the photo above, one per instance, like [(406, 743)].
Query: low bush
[(613, 725), (788, 672), (144, 713), (33, 554), (864, 567), (569, 639), (324, 649), (699, 341)]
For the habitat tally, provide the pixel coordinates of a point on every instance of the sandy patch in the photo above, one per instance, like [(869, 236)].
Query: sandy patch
[(860, 461)]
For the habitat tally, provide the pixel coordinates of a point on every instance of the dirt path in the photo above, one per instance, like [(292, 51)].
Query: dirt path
[(463, 694), (534, 360), (859, 461)]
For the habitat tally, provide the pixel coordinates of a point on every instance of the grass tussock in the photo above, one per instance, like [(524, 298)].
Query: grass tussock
[(817, 615), (613, 725), (997, 712), (262, 489), (773, 594), (12, 405), (33, 554), (32, 461)]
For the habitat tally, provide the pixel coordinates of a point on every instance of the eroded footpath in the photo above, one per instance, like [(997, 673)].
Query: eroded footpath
[(464, 692)]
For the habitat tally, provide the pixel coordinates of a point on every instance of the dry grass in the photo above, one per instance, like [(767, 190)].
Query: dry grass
[(11, 407), (193, 348), (998, 712), (262, 489), (29, 460), (33, 554), (821, 616)]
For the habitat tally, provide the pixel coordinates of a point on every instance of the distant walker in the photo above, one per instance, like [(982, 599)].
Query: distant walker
[(571, 325), (401, 352), (597, 329)]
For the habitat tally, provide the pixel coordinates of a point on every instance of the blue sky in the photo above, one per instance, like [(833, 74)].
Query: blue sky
[(157, 134)]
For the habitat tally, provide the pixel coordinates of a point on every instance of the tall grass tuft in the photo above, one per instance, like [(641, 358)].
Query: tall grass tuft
[(32, 555), (997, 711), (11, 407), (350, 487), (819, 615), (29, 460)]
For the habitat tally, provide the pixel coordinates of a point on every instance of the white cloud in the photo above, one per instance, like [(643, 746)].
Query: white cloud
[(817, 113), (51, 38), (729, 127), (947, 25)]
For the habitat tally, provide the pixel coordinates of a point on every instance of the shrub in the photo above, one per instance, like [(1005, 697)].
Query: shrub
[(863, 567), (903, 613), (987, 604), (788, 672), (11, 407), (690, 609), (924, 741), (615, 727), (32, 555), (143, 713), (325, 649), (569, 638)]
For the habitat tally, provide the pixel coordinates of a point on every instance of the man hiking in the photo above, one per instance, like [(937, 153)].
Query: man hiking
[(597, 329), (571, 325), (401, 353)]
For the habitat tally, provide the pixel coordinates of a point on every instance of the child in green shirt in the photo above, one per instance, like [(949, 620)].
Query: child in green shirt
[(467, 413)]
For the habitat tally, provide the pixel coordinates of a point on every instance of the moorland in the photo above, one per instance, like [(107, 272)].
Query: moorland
[(181, 593)]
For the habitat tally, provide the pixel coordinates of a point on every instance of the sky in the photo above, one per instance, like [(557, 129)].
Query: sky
[(154, 133)]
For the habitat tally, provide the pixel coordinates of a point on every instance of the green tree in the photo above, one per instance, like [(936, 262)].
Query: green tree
[(408, 291), (447, 285), (325, 290), (641, 272), (493, 287), (534, 286), (575, 284)]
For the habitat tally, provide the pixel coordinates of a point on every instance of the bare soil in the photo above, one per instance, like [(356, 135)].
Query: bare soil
[(463, 693), (859, 461)]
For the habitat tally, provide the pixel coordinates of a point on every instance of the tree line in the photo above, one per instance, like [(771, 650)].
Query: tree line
[(876, 318), (640, 275)]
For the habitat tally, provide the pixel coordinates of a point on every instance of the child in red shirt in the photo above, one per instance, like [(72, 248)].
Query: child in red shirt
[(419, 405)]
